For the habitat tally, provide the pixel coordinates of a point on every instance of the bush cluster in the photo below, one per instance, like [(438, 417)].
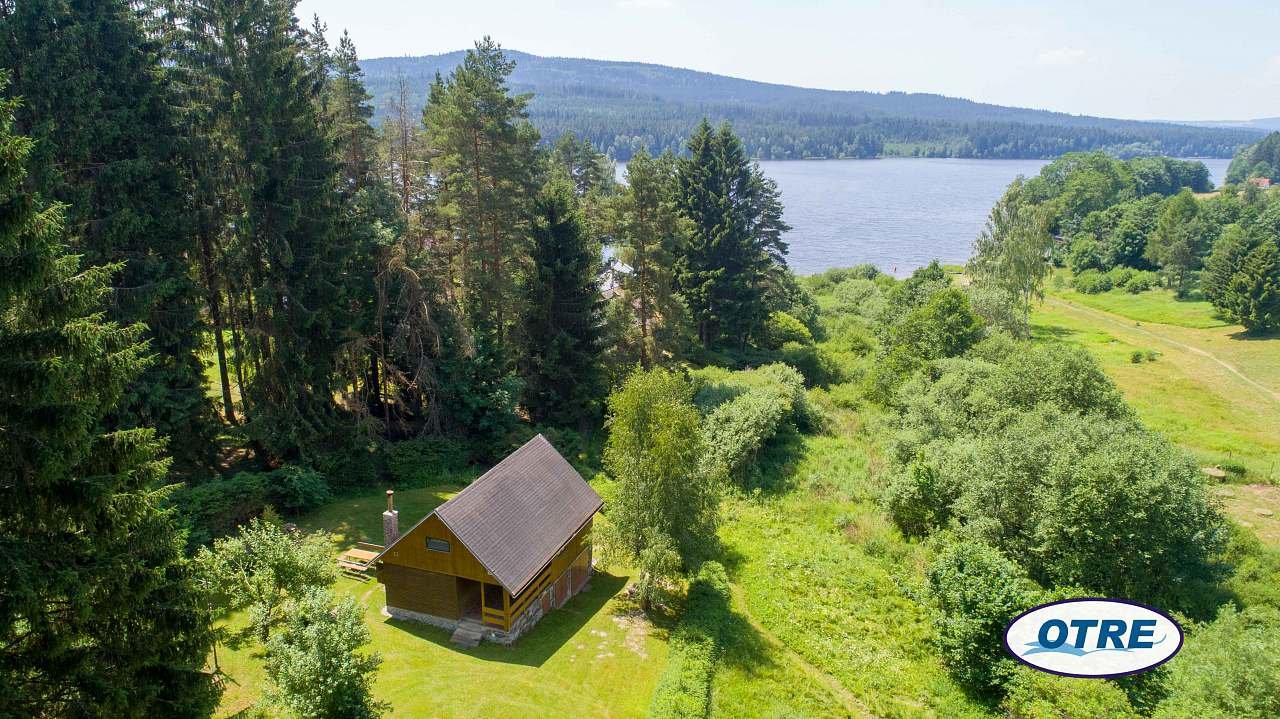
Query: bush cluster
[(425, 460), (745, 410), (216, 508)]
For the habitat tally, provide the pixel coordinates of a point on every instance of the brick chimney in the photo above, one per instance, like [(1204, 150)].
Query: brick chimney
[(390, 521)]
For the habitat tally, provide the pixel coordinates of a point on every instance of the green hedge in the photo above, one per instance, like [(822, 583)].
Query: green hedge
[(684, 690)]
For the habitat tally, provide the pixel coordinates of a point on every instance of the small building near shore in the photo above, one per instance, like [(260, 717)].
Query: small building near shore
[(1262, 182), (511, 546)]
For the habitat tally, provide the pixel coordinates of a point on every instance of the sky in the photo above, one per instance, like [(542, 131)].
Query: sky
[(1139, 59)]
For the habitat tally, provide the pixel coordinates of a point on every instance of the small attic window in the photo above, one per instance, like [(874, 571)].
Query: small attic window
[(437, 545)]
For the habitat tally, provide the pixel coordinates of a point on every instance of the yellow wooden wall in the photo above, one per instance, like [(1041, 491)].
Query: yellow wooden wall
[(411, 551)]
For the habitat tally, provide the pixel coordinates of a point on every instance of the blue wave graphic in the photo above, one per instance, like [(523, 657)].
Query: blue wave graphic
[(1035, 648)]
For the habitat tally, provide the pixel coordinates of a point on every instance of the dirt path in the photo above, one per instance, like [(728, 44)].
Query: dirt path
[(846, 698), (1133, 326)]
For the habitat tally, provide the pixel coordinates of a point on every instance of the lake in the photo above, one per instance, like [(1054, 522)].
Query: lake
[(896, 213)]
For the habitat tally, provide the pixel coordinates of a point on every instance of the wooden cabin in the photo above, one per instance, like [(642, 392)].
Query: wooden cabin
[(513, 545)]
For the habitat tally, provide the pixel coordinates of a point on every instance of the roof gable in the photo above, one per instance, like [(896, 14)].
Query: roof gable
[(517, 516)]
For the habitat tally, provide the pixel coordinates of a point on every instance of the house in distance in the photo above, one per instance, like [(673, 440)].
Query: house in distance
[(511, 546)]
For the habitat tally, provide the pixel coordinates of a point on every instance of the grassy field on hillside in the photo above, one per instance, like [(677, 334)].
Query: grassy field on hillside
[(1211, 388), (821, 569), (1159, 305), (1213, 391), (597, 656)]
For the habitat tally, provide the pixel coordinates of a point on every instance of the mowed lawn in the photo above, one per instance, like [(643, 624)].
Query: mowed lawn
[(1211, 389), (595, 657)]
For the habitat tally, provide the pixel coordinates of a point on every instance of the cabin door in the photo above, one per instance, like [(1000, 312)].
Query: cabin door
[(469, 598)]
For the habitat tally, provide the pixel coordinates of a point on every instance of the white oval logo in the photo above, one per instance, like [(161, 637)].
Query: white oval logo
[(1093, 637)]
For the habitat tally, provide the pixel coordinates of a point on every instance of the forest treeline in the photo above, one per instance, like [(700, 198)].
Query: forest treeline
[(1148, 222), (622, 107), (1261, 159), (221, 276)]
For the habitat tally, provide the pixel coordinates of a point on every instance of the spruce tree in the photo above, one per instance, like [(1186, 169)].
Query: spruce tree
[(1254, 290), (98, 612), (563, 321), (96, 102), (296, 264), (735, 243)]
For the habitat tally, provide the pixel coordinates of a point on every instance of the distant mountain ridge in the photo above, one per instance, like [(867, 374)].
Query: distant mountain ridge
[(623, 106), (1264, 124)]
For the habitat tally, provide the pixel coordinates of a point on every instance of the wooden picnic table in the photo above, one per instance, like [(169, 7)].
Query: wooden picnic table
[(357, 558), (363, 555)]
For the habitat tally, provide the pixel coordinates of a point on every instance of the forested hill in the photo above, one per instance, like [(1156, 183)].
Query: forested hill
[(622, 106)]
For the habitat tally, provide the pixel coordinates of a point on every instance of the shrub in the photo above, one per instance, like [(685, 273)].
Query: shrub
[(215, 508), (735, 431), (1036, 695), (1091, 282), (976, 591), (1136, 356), (1228, 669), (919, 500), (944, 327), (782, 328), (684, 689), (818, 366), (295, 490), (1086, 254), (859, 297), (1120, 276), (314, 662), (1141, 281), (1101, 504), (1000, 309), (425, 460)]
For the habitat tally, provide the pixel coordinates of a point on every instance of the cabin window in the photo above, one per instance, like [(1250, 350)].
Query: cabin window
[(437, 545)]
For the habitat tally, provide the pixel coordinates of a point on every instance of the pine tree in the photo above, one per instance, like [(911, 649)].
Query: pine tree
[(483, 164), (98, 612), (649, 232), (96, 102), (563, 321), (736, 239)]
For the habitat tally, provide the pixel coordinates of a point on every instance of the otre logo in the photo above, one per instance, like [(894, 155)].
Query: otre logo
[(1093, 637)]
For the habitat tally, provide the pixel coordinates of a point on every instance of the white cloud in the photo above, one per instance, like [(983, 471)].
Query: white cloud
[(1064, 57), (645, 4)]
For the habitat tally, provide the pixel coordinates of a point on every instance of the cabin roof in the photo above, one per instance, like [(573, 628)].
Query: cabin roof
[(517, 516)]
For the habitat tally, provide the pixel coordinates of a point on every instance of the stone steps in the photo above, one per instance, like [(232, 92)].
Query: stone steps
[(468, 634)]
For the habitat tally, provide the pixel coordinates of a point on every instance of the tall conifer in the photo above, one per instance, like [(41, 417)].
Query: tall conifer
[(735, 244), (95, 101), (563, 321), (98, 614)]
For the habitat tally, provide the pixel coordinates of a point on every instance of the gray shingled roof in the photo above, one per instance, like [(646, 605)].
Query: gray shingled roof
[(517, 516)]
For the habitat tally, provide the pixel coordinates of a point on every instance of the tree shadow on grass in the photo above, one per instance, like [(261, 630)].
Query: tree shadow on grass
[(1253, 336), (538, 644), (1052, 332)]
